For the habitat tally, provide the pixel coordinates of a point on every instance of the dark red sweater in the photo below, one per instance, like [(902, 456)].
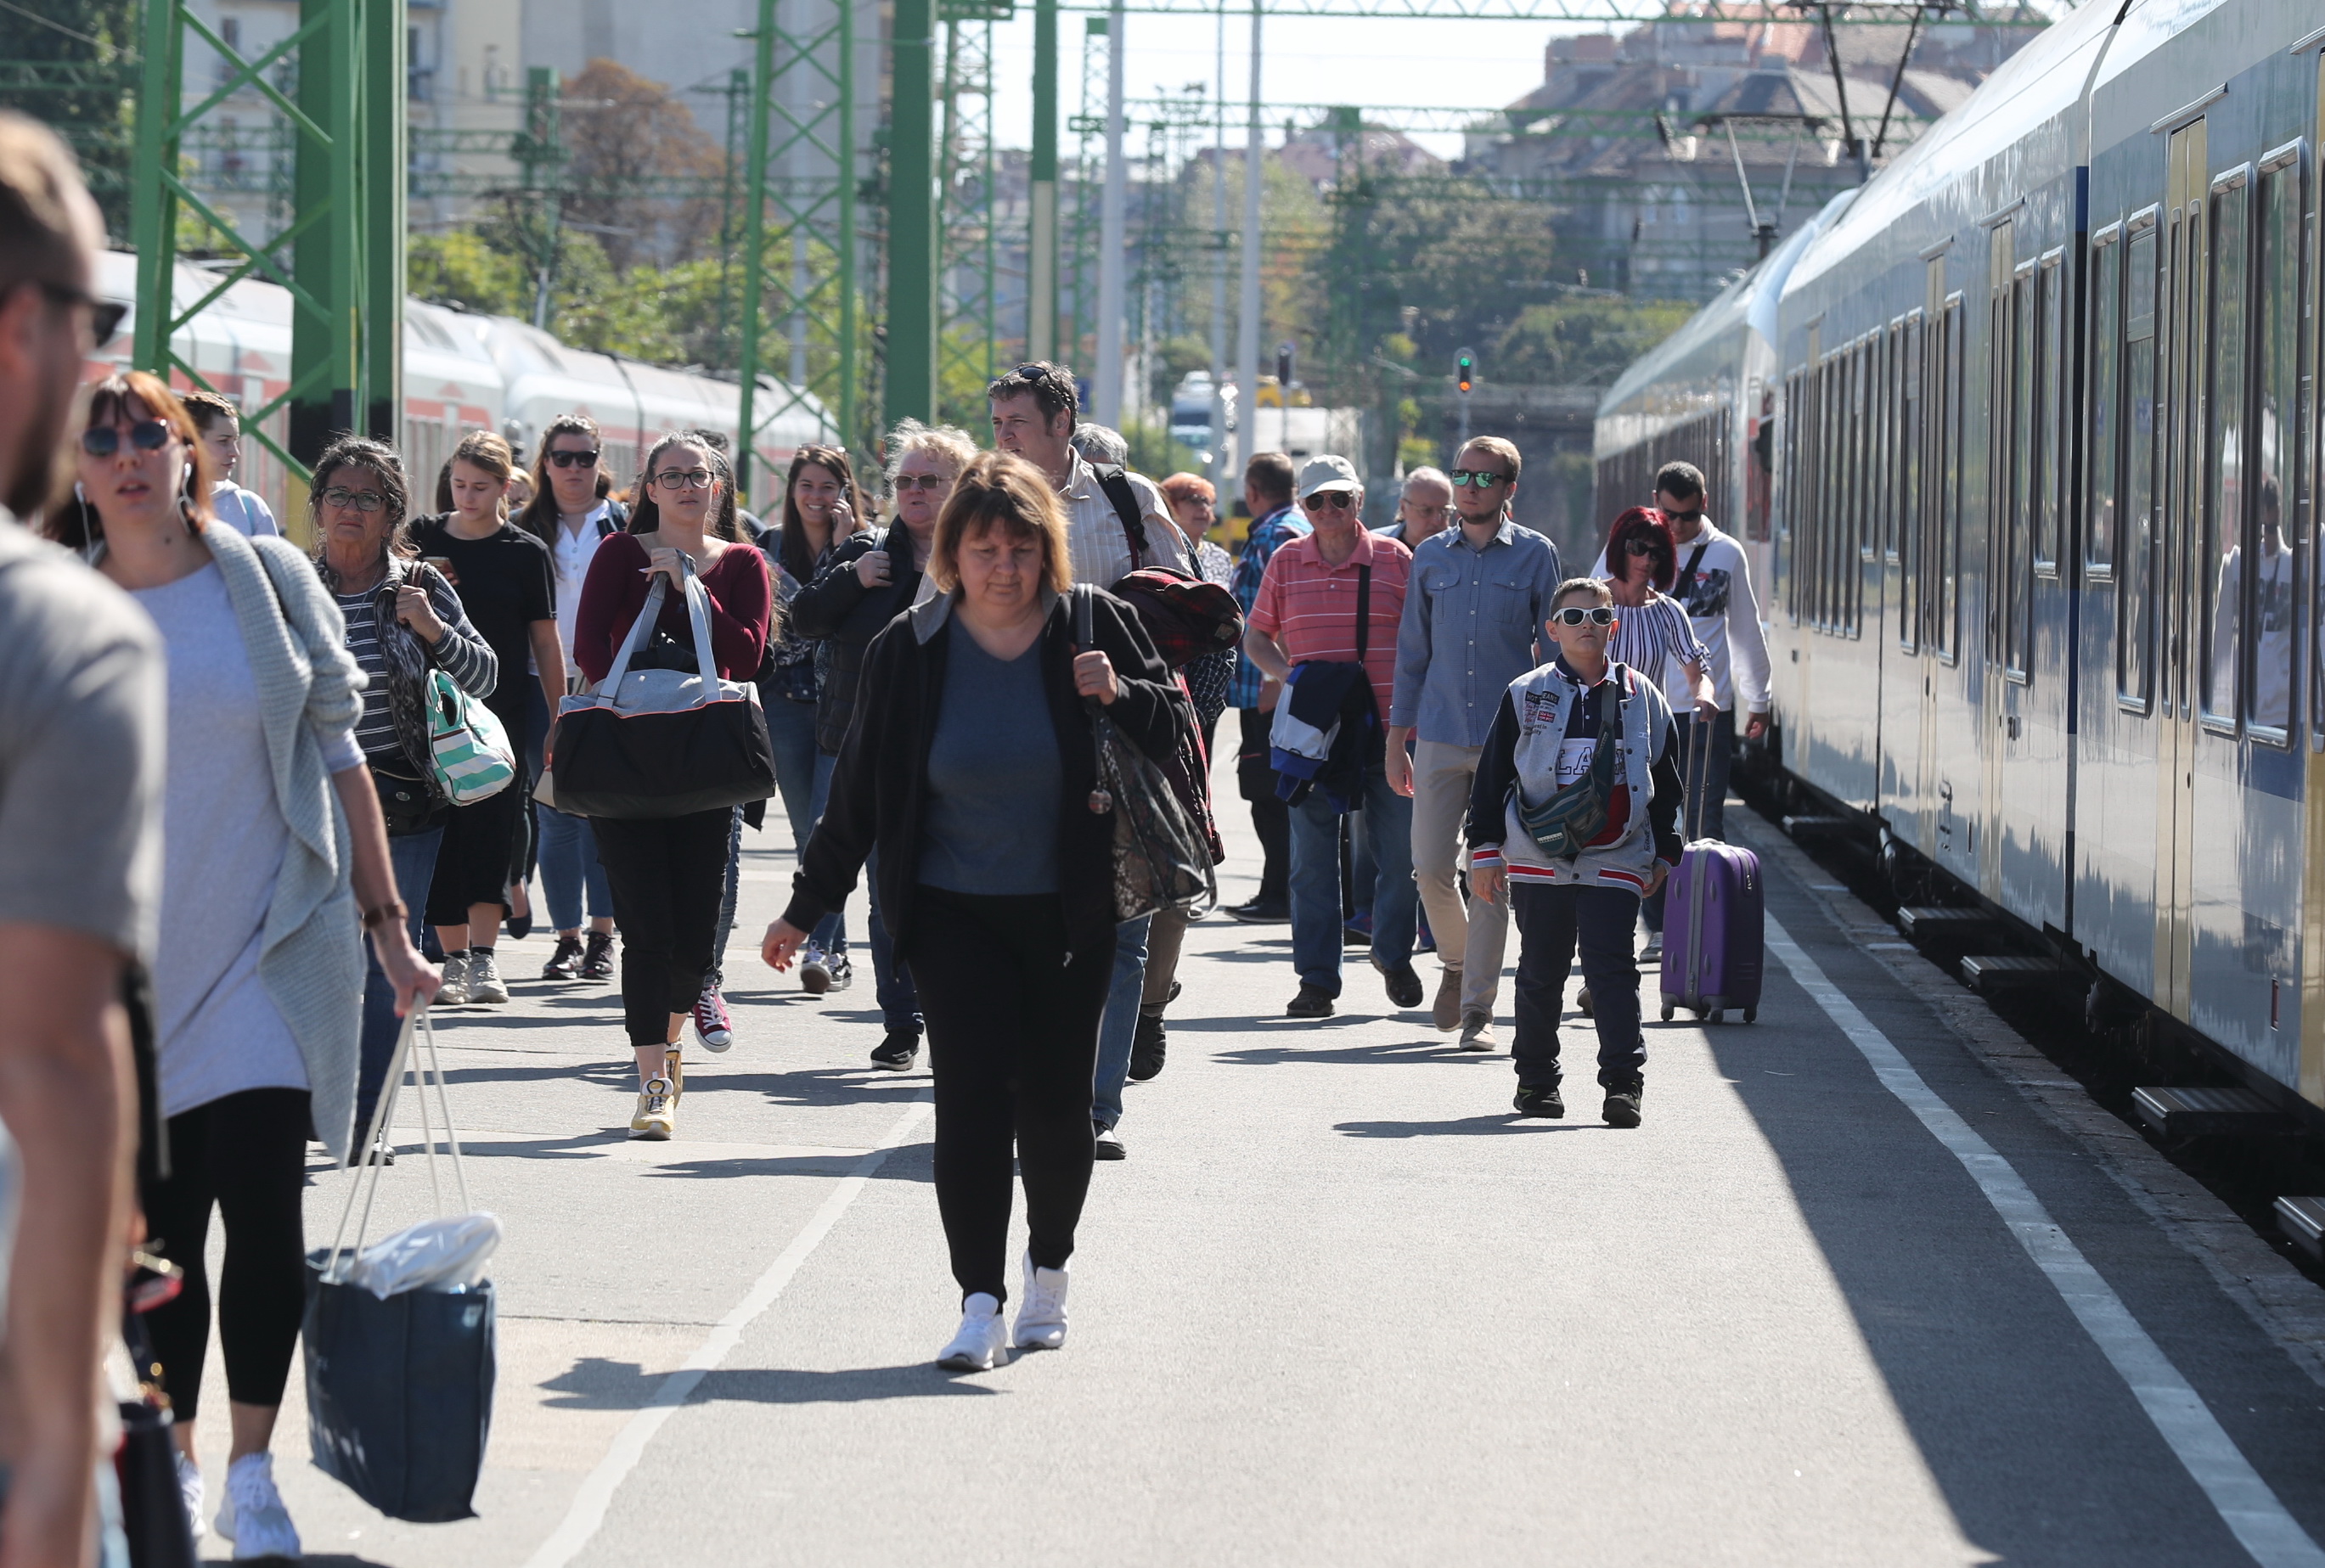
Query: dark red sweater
[(742, 601)]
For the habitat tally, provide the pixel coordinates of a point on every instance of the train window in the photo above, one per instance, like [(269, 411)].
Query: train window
[(2106, 423), (2271, 590), (2049, 471), (2022, 458), (2220, 559), (1828, 489), (1909, 478), (1858, 546), (1948, 576), (1786, 522), (2136, 556)]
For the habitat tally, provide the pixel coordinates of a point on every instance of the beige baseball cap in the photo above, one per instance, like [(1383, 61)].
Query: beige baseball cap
[(1327, 472)]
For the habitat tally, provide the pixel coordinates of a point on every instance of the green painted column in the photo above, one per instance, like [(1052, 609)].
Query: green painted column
[(755, 243), (153, 210), (1041, 195), (326, 257), (912, 362), (385, 166)]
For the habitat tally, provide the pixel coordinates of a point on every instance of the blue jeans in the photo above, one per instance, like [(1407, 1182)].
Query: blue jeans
[(803, 775), (414, 858), (1316, 929), (729, 888), (1119, 1028), (1706, 817), (564, 847)]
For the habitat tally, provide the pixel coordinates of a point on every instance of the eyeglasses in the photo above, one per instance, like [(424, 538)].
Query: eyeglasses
[(1578, 615), (105, 440), (105, 316), (684, 479), (359, 500), (566, 457), (1643, 547), (1340, 500), (921, 481), (1483, 478)]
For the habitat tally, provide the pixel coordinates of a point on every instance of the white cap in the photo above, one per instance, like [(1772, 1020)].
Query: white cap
[(1327, 472)]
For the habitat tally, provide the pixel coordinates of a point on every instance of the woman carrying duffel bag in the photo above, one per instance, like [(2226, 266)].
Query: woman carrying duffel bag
[(666, 870)]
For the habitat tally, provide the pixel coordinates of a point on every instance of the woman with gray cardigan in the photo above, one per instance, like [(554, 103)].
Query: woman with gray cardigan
[(274, 862)]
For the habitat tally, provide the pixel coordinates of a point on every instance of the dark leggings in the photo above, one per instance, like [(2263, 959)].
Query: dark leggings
[(667, 875), (247, 1154), (1012, 1044)]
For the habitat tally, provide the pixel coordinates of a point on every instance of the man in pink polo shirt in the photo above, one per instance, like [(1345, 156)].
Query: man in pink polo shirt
[(1306, 614)]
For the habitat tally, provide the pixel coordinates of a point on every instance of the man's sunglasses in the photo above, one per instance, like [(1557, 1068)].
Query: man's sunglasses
[(1341, 499), (1483, 478), (105, 440), (566, 458), (1580, 615), (105, 316)]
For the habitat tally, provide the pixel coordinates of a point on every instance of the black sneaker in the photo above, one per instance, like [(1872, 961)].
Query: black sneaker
[(565, 964), (1146, 1047), (897, 1052), (1312, 1002), (1540, 1100), (1622, 1109), (597, 958), (1404, 987), (1263, 912), (1106, 1143)]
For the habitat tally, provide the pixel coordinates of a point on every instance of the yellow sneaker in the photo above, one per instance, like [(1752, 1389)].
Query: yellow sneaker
[(673, 1069), (656, 1120)]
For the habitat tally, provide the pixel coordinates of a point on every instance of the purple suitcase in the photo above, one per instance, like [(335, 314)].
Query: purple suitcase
[(1715, 929)]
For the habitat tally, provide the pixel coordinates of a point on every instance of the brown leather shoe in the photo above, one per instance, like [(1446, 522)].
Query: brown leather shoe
[(1446, 1011)]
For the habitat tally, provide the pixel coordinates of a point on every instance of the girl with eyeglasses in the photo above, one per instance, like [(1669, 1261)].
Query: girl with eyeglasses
[(275, 867), (667, 873)]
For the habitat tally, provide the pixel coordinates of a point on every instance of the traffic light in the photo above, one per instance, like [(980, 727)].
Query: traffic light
[(1283, 352), (1465, 372)]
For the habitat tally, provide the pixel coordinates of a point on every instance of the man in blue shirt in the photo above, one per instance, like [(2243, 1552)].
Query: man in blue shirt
[(1267, 482), (1477, 598)]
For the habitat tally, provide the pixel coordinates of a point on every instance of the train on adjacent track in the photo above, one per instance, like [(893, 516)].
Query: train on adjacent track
[(462, 372), (2024, 440)]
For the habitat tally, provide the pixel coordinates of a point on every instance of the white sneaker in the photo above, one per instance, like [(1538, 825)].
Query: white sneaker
[(815, 970), (485, 986), (454, 991), (190, 1488), (1041, 1314), (252, 1515), (983, 1339)]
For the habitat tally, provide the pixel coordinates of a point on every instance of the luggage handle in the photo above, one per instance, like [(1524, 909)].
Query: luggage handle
[(417, 1029), (1698, 746), (642, 629)]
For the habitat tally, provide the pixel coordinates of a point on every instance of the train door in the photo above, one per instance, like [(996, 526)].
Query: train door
[(2005, 394), (2180, 437)]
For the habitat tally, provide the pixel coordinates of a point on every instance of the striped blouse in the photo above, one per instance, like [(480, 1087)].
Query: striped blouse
[(1655, 638)]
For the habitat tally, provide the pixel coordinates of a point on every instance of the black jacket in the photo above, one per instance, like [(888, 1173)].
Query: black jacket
[(880, 788), (837, 610)]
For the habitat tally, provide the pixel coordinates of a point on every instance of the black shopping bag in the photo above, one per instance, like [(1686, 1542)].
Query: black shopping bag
[(400, 1393)]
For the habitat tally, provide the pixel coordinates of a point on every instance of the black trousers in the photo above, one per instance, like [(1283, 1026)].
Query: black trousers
[(667, 875), (1271, 819), (1012, 1045), (472, 864), (247, 1155), (1551, 921)]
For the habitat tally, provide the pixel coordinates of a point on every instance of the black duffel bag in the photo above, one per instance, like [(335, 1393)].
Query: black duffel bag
[(654, 742)]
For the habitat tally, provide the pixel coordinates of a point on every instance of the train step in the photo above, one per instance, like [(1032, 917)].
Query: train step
[(2302, 1221), (1989, 972), (2195, 1112), (1928, 921), (1815, 827)]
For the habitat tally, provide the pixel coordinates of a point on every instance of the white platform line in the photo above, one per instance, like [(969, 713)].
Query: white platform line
[(2243, 1499), (597, 1491)]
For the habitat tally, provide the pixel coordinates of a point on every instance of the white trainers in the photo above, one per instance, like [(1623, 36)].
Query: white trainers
[(656, 1118), (1041, 1313), (983, 1338), (485, 986), (252, 1515), (454, 991), (190, 1488), (815, 970)]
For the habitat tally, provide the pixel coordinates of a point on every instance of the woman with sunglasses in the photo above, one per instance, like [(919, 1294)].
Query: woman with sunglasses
[(566, 514), (666, 872), (276, 865)]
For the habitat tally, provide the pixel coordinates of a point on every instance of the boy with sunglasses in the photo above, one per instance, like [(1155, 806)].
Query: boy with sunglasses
[(1551, 736)]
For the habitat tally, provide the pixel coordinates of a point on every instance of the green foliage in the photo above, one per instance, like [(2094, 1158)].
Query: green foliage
[(1153, 452), (98, 121), (461, 267), (1582, 341)]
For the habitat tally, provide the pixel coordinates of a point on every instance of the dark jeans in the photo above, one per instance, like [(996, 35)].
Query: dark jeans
[(1271, 819), (1549, 921), (1012, 1045), (667, 873), (247, 1154), (1704, 818)]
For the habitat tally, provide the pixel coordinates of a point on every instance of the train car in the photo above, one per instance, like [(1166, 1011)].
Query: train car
[(2046, 605)]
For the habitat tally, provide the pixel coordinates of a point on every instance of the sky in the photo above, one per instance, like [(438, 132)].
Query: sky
[(1367, 62)]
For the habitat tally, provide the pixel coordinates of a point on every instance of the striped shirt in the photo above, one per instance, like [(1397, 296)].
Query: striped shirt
[(1095, 537), (376, 730), (1653, 639), (1309, 607)]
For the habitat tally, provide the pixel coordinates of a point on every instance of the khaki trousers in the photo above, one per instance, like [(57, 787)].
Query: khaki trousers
[(1469, 932)]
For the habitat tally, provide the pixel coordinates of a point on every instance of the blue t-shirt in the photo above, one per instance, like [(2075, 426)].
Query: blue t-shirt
[(993, 776)]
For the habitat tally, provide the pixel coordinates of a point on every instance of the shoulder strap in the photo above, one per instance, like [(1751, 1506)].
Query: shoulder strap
[(1124, 497), (1085, 617), (1363, 609), (1687, 572)]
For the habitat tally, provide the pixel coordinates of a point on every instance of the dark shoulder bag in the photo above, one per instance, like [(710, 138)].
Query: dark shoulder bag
[(1573, 818), (1160, 859)]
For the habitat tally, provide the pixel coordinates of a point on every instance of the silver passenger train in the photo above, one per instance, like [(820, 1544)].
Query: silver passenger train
[(2024, 440)]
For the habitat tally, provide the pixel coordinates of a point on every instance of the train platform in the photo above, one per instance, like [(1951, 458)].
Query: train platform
[(1875, 1283)]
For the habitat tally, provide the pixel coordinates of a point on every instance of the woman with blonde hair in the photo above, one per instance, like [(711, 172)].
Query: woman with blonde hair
[(275, 867), (970, 769), (501, 574)]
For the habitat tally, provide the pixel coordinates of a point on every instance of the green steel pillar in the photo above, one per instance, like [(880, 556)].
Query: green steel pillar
[(850, 378), (755, 240), (326, 257), (1042, 175), (912, 346), (385, 164), (153, 218)]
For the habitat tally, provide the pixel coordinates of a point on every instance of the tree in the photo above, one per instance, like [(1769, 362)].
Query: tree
[(96, 115), (623, 134), (1583, 341)]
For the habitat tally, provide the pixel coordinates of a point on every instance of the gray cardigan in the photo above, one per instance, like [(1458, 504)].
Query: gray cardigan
[(310, 955)]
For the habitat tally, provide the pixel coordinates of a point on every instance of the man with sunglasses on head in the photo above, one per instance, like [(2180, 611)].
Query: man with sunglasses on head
[(1479, 591), (80, 755), (1305, 620), (1592, 741)]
